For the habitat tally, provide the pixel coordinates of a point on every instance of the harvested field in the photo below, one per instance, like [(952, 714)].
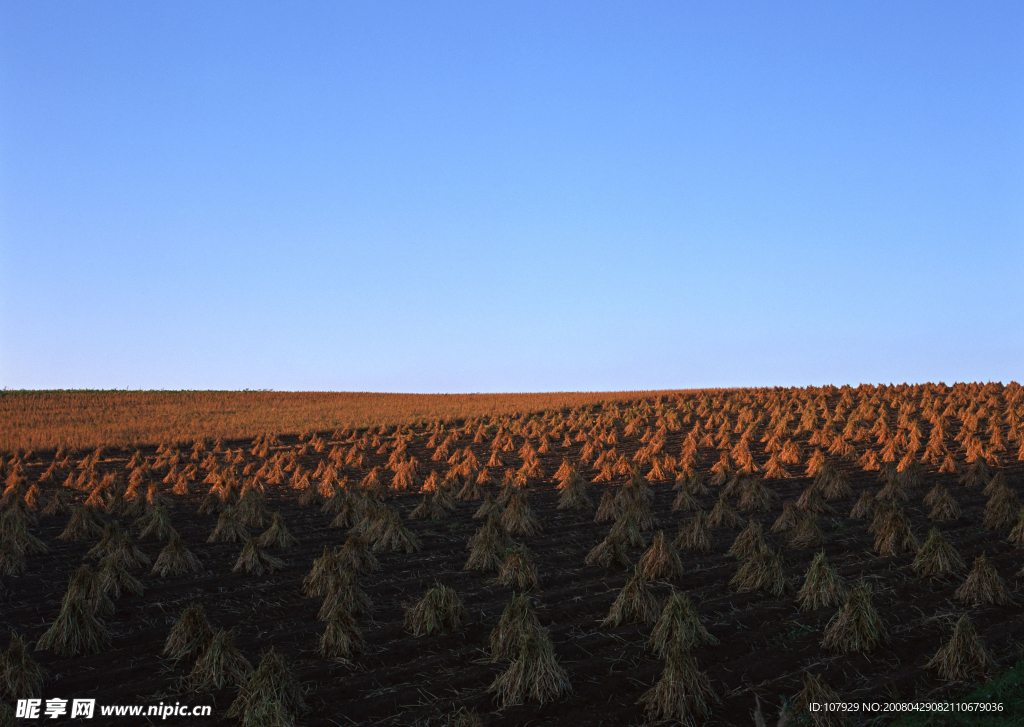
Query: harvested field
[(716, 447)]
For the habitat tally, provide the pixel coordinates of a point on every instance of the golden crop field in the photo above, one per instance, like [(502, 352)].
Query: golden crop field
[(727, 557)]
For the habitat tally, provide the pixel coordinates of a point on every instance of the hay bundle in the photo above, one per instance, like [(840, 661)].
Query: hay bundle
[(943, 505), (428, 509), (606, 509), (983, 585), (111, 537), (937, 557), (270, 695), (723, 516), (76, 631), (155, 524), (660, 560), (1001, 509), (815, 691), (518, 621), (175, 560), (811, 500), (322, 574), (14, 531), (823, 586), (763, 571), (21, 677), (864, 507), (748, 542), (342, 638), (518, 517), (609, 552), (394, 536), (533, 674), (84, 584), (189, 635), (627, 530), (439, 611), (679, 627), (344, 594), (128, 554), (685, 500), (253, 560), (277, 535), (252, 508), (487, 547), (806, 534), (964, 655), (574, 493), (756, 496), (517, 570), (788, 519), (115, 579), (1016, 535), (355, 556), (85, 523), (856, 626), (634, 604), (694, 535), (893, 535), (489, 507), (683, 693)]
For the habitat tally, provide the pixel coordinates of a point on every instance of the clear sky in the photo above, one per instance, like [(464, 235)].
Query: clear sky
[(510, 196)]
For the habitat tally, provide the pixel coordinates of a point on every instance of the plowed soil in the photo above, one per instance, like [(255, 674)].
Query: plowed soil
[(765, 642)]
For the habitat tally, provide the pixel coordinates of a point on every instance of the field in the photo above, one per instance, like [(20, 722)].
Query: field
[(829, 542)]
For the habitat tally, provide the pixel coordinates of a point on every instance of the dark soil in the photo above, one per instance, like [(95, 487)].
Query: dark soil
[(765, 643)]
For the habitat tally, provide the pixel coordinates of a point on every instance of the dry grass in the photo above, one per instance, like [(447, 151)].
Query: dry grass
[(189, 635), (937, 557), (533, 674), (270, 690), (634, 604), (723, 516), (487, 547), (277, 535), (518, 621), (856, 626), (762, 571), (220, 664), (76, 632), (694, 535), (964, 655), (893, 536), (518, 517), (815, 690), (395, 537), (342, 638), (115, 578), (683, 693), (574, 494), (608, 553), (606, 510), (517, 570), (660, 560), (253, 560), (748, 542), (440, 611), (344, 594), (20, 676), (176, 560), (679, 627), (44, 420), (823, 586), (983, 585)]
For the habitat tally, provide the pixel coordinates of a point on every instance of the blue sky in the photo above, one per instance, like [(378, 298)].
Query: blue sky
[(442, 196)]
